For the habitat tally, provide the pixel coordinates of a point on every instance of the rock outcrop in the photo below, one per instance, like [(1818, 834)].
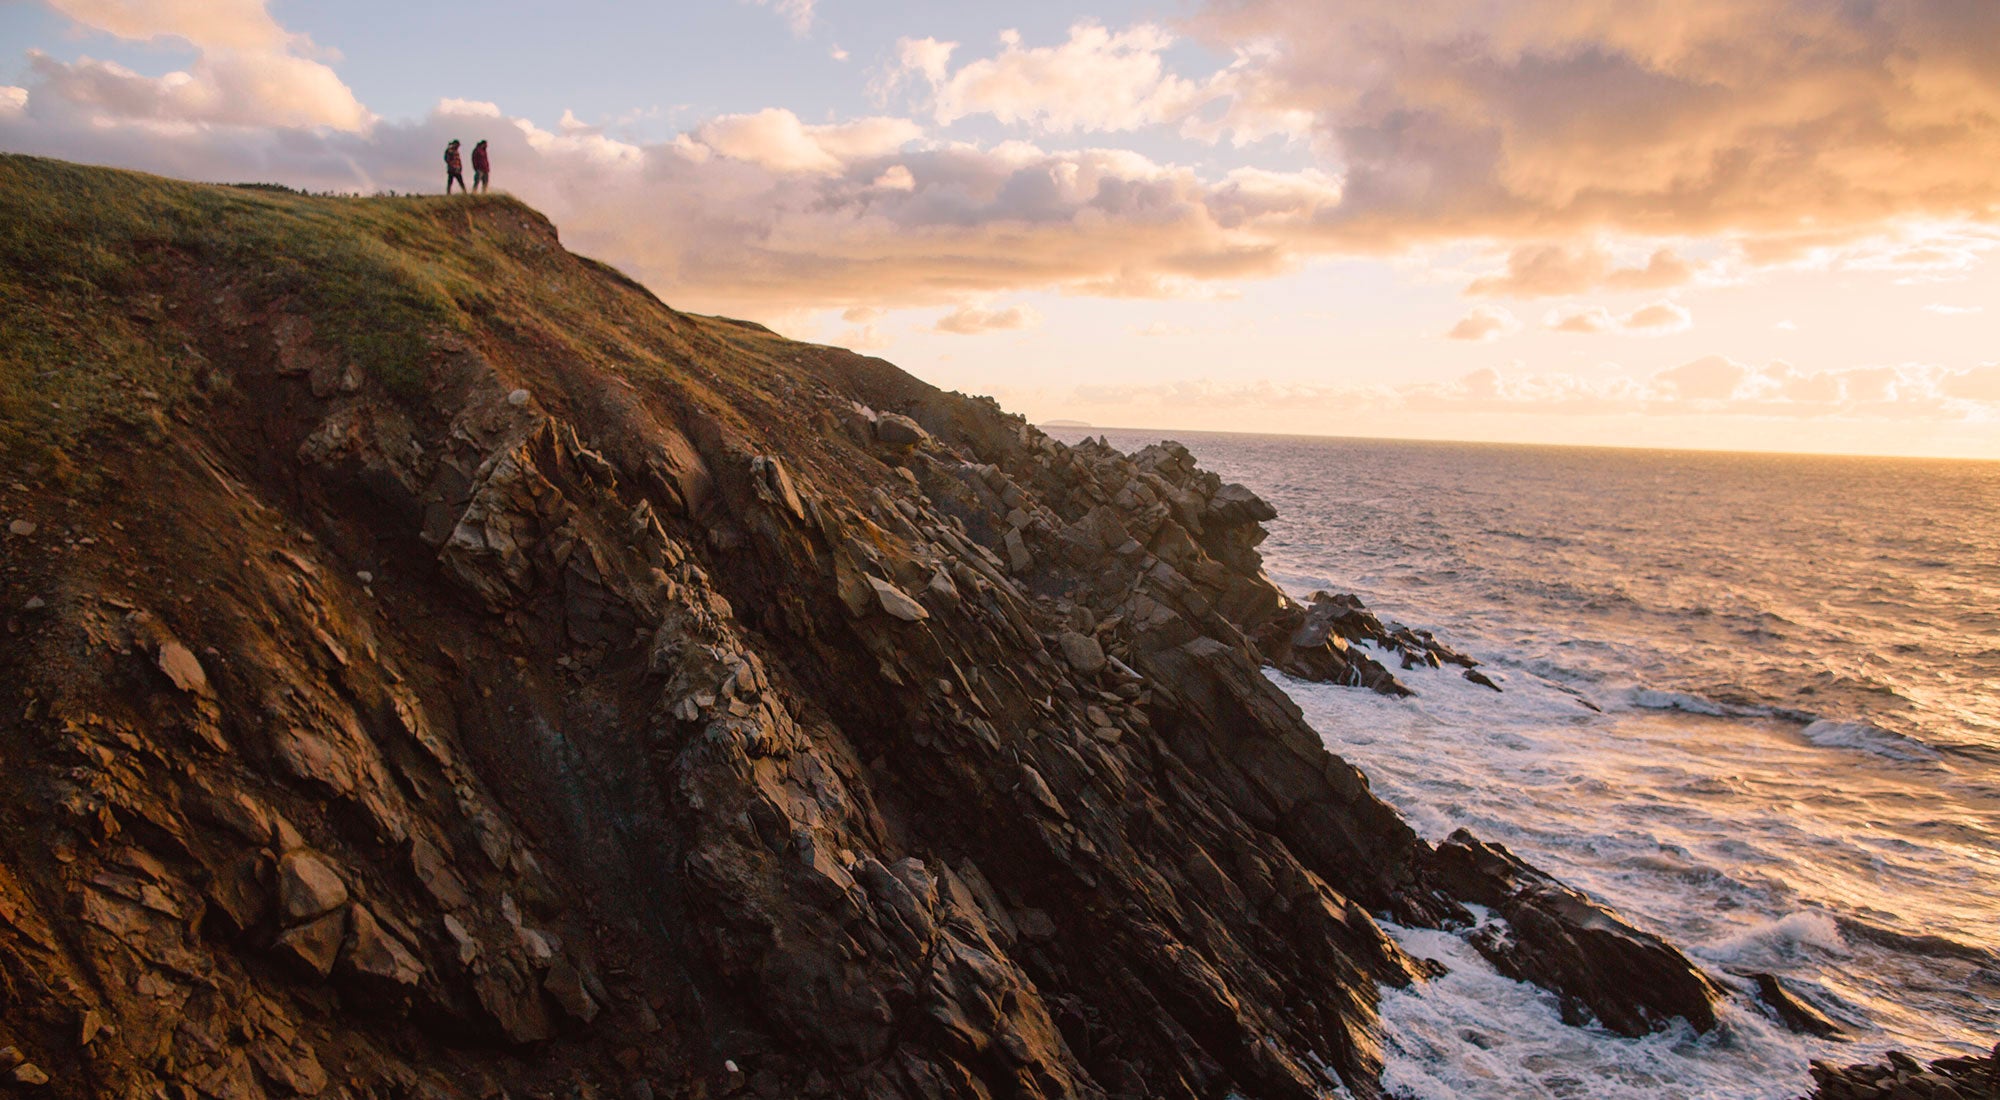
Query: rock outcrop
[(1901, 1077), (599, 700)]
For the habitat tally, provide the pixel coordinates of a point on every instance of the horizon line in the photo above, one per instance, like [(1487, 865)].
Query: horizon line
[(1772, 453)]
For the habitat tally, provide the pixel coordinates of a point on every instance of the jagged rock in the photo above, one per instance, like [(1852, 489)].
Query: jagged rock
[(180, 665), (316, 944), (1900, 1077), (897, 602), (1018, 558), (565, 984), (1599, 966), (307, 887), (1235, 505), (775, 485), (1794, 1013), (373, 952)]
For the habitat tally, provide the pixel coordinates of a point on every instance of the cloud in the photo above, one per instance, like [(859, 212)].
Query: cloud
[(13, 101), (864, 332), (223, 88), (1484, 323), (248, 72), (971, 320), (1952, 311), (1552, 270), (798, 14), (1538, 118), (1980, 383), (206, 24), (1709, 378), (1097, 81), (470, 108), (763, 214), (1708, 387), (775, 139), (1657, 319), (896, 177), (1584, 321)]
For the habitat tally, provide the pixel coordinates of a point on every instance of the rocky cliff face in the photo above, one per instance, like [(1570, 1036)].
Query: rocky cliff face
[(559, 695)]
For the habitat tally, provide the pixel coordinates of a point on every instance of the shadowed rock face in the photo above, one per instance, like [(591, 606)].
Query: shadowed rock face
[(1900, 1075), (671, 709)]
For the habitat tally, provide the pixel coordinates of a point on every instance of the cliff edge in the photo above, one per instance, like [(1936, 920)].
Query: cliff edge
[(433, 667)]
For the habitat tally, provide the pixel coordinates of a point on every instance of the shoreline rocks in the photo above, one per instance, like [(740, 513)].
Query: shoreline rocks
[(1899, 1076)]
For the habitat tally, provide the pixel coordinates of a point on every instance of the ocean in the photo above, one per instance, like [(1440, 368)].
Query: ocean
[(1752, 702)]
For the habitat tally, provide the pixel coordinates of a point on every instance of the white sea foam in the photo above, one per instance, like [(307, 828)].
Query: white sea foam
[(1474, 1033), (1715, 607), (1779, 942), (1868, 738)]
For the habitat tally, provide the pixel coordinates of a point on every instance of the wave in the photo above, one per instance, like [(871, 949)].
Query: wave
[(1869, 738), (1655, 699), (1781, 939), (1935, 946)]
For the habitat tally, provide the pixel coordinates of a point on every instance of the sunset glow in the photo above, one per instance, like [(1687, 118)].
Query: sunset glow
[(1709, 223)]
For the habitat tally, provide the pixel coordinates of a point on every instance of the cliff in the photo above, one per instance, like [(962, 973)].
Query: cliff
[(434, 667)]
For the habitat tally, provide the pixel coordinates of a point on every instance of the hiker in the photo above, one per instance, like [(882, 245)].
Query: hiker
[(480, 166), (454, 169)]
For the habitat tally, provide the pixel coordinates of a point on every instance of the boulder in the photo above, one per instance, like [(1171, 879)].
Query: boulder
[(897, 430), (307, 887), (1082, 651)]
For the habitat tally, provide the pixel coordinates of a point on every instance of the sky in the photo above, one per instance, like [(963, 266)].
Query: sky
[(1737, 224)]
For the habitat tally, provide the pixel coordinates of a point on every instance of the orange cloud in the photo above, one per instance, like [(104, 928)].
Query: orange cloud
[(1484, 323), (1713, 385), (217, 24), (971, 320), (1654, 319), (249, 72), (1535, 118), (1552, 270)]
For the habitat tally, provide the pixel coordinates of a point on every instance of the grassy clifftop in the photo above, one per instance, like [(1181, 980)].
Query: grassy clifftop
[(90, 259)]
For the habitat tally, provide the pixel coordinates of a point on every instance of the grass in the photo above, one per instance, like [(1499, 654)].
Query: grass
[(110, 282), (83, 251)]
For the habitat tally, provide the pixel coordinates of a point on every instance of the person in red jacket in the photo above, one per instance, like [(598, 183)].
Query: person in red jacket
[(481, 167), (454, 168)]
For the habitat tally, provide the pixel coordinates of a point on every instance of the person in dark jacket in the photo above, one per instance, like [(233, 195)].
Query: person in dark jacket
[(454, 168), (481, 167)]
